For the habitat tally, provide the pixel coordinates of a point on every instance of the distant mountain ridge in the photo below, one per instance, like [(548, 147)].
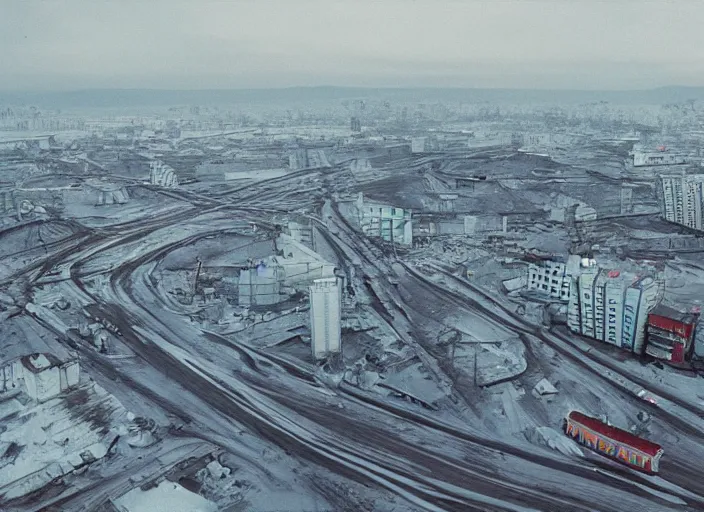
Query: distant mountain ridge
[(115, 98)]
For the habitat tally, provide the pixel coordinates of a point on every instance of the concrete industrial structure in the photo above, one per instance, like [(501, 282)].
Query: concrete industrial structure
[(384, 221), (41, 376), (645, 158), (553, 279), (108, 193), (584, 213), (162, 175), (671, 334), (612, 307), (260, 286), (295, 266), (682, 199), (302, 233), (325, 317), (420, 145), (308, 159), (299, 263), (37, 142)]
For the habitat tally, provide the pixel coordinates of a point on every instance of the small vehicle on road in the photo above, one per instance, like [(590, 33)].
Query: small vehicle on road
[(644, 395)]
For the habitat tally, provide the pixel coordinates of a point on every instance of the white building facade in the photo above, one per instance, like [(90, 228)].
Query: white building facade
[(553, 279), (383, 221), (325, 317), (162, 175), (41, 376), (643, 159), (260, 286), (682, 197), (611, 307)]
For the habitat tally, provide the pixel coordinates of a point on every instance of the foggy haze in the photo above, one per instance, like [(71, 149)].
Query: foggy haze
[(76, 44)]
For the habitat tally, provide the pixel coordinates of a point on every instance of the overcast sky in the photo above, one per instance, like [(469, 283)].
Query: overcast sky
[(200, 44)]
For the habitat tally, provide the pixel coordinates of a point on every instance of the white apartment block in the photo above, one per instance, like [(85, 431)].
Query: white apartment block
[(611, 307), (683, 196), (552, 279), (325, 317), (383, 221)]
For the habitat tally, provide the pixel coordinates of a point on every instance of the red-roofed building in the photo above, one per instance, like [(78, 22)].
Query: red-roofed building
[(671, 334), (613, 442)]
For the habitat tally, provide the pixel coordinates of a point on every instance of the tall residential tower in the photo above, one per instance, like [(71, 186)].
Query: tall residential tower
[(682, 199), (325, 313)]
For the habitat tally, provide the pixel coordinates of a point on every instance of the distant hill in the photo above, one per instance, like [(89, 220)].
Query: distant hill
[(121, 98)]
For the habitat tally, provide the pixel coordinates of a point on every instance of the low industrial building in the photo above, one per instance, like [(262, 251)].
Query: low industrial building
[(433, 224), (553, 279), (296, 265), (663, 157), (40, 376), (308, 159), (162, 175), (260, 286), (302, 232), (384, 221)]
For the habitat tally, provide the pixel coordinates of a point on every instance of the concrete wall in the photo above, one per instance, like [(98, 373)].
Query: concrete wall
[(43, 385), (302, 233), (456, 227), (69, 374), (295, 273), (260, 288), (300, 264), (11, 376), (474, 224)]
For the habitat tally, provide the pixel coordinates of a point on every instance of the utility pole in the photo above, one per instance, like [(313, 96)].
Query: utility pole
[(195, 281)]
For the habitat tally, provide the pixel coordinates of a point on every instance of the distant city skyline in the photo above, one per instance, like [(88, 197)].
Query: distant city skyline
[(208, 44)]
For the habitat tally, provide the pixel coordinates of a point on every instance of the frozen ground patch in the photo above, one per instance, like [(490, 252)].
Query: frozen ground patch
[(46, 441), (165, 497)]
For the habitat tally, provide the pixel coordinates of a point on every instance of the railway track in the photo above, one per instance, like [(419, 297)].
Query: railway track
[(380, 468), (618, 382), (528, 329), (122, 276), (508, 318), (243, 411)]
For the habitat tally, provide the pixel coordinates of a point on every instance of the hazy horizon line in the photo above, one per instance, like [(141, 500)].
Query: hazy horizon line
[(349, 87)]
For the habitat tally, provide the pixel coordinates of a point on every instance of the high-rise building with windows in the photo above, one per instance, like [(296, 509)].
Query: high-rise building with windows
[(553, 278), (682, 198), (612, 307), (325, 314)]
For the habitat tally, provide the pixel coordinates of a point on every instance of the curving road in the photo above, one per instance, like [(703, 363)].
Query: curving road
[(221, 387)]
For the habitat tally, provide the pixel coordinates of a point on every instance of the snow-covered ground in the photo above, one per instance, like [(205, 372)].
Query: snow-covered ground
[(44, 441), (164, 497)]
